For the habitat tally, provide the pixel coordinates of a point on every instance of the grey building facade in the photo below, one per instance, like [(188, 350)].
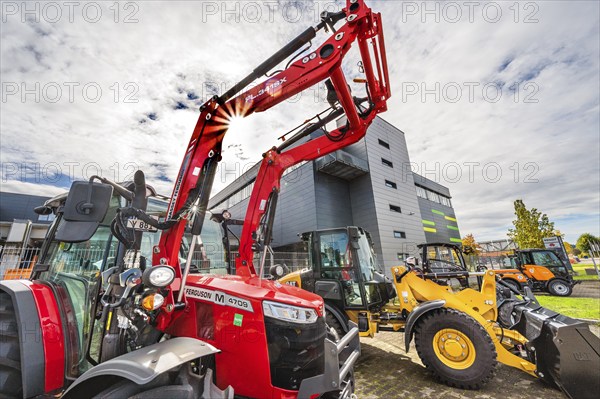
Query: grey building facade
[(369, 184), (19, 224)]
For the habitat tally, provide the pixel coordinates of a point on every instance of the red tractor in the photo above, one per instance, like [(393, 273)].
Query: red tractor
[(103, 316)]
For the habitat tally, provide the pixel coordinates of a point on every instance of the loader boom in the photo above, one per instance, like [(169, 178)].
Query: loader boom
[(194, 181)]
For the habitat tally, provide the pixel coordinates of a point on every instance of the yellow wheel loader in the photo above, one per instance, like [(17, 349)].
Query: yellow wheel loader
[(460, 332)]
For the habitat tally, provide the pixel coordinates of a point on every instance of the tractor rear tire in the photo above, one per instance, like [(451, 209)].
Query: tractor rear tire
[(10, 351), (559, 287), (455, 348)]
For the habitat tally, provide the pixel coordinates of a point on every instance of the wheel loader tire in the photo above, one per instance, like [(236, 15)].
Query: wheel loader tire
[(513, 284), (559, 287), (335, 331), (455, 348)]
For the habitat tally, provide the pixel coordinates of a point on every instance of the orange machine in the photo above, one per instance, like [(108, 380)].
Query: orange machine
[(541, 269)]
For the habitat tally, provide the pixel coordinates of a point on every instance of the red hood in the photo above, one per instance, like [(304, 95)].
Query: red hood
[(259, 289)]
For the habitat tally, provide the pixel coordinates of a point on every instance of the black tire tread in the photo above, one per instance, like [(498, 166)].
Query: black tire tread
[(334, 323), (426, 353), (10, 353)]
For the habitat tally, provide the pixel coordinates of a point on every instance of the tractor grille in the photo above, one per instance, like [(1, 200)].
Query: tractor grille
[(296, 351)]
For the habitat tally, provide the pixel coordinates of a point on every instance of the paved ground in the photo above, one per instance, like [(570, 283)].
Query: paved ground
[(587, 289), (385, 371)]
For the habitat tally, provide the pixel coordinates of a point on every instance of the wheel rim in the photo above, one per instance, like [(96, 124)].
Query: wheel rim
[(560, 288), (454, 349)]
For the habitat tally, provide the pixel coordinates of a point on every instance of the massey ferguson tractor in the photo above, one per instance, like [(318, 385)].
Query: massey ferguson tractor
[(125, 323)]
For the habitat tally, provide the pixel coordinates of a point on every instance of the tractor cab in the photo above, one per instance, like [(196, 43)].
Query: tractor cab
[(74, 275), (78, 248), (543, 257), (345, 270)]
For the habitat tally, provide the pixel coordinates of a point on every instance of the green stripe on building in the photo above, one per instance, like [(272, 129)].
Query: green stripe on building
[(437, 212), (450, 218), (428, 222), (452, 227), (455, 240), (430, 230)]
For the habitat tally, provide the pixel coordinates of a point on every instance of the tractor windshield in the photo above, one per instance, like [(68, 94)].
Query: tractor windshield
[(550, 260), (74, 272)]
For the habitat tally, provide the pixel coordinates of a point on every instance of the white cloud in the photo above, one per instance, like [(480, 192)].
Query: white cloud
[(175, 48)]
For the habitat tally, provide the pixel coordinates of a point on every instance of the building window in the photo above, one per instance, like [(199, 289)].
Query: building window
[(445, 201), (399, 234), (421, 193), (395, 208), (390, 184), (402, 256), (384, 144), (431, 196), (387, 163)]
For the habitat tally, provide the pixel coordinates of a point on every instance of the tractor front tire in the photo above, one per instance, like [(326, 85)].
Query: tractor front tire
[(559, 287), (455, 348)]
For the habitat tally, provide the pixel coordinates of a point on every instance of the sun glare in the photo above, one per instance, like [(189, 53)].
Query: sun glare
[(238, 125)]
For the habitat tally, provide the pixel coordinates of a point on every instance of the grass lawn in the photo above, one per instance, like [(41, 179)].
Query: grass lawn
[(580, 308), (580, 269)]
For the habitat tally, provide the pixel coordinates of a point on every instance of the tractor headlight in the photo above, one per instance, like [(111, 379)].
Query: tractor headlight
[(158, 276), (295, 314)]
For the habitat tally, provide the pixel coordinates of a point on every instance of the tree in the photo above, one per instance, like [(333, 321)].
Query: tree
[(470, 246), (583, 242), (568, 248), (531, 227)]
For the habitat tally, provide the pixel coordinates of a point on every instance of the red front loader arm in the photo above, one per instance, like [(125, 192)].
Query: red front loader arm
[(256, 233), (194, 181)]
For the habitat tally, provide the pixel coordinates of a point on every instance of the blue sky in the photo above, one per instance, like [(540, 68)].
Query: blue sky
[(498, 101)]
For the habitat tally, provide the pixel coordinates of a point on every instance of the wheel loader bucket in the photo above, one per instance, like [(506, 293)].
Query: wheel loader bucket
[(567, 353)]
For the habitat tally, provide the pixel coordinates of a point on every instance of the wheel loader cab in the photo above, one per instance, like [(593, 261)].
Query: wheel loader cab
[(344, 270), (440, 258), (446, 261)]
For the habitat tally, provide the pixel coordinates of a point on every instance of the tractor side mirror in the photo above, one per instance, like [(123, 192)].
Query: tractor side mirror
[(85, 207)]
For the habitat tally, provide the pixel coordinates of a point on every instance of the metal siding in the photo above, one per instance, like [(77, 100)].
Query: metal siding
[(430, 184), (296, 211), (313, 200), (443, 233), (20, 206), (333, 206), (404, 196)]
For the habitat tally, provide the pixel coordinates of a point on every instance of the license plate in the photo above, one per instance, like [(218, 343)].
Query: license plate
[(140, 225)]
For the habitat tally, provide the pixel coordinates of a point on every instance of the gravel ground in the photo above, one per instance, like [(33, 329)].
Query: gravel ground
[(385, 371)]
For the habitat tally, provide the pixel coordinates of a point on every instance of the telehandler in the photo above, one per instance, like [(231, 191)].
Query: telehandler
[(159, 330), (460, 333)]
